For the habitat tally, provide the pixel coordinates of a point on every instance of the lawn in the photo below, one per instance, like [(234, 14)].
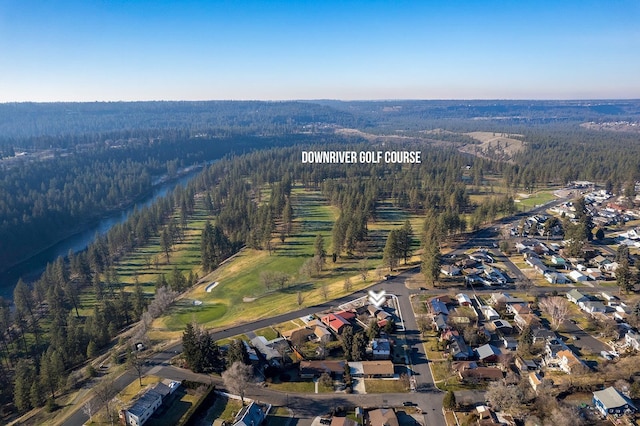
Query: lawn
[(182, 402), (267, 332), (303, 387), (224, 408), (384, 386), (278, 416)]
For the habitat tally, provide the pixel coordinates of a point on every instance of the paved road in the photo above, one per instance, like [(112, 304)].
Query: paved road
[(428, 398)]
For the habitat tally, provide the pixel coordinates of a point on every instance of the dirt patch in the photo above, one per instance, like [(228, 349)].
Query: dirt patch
[(496, 146)]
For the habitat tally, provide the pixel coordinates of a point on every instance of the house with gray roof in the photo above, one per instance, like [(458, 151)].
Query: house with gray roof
[(611, 402), (250, 415), (576, 296)]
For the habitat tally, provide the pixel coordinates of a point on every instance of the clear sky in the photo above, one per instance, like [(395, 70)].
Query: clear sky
[(110, 50)]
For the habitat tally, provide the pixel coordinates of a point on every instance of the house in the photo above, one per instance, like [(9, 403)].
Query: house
[(576, 296), (501, 326), (459, 349), (524, 320), (509, 343), (144, 407), (610, 401), (335, 322), (488, 353), (272, 350), (611, 299), (556, 278), (379, 348), (594, 274), (535, 380), (577, 276), (553, 347), (526, 364), (377, 369), (383, 417), (486, 416), (297, 335), (489, 313), (343, 421), (449, 334), (542, 334), (440, 322), (463, 299), (311, 369), (436, 306), (568, 361), (592, 306), (519, 309), (558, 261), (506, 298), (322, 334), (450, 270), (632, 338), (250, 415)]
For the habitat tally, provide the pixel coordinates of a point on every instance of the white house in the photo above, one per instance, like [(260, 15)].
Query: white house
[(577, 276), (592, 306), (489, 313), (463, 299), (632, 338)]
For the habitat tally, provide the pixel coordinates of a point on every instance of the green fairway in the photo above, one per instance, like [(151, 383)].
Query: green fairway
[(241, 291), (185, 314)]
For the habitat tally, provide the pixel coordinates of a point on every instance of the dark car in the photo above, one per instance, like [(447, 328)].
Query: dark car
[(408, 404)]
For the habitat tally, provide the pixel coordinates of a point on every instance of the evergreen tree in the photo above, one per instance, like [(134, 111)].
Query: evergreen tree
[(347, 342), (405, 240), (237, 352), (390, 255)]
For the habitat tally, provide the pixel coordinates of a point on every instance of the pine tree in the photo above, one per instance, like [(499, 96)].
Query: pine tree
[(390, 255)]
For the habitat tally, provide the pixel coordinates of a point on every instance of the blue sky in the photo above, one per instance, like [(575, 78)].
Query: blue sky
[(273, 50)]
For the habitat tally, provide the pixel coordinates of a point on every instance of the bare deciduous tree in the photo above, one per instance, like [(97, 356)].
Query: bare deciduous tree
[(105, 392), (89, 408), (557, 308), (238, 378)]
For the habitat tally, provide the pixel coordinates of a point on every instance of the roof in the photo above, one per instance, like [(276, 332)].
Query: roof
[(611, 398), (297, 333), (319, 367), (348, 315), (576, 295), (146, 401), (378, 368), (251, 415), (486, 351), (437, 306), (381, 345), (342, 421), (336, 322), (572, 359), (383, 417)]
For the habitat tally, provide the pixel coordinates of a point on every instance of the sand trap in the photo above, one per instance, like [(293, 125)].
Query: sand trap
[(211, 286), (248, 299)]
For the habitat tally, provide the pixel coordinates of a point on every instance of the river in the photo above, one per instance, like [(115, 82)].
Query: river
[(30, 269)]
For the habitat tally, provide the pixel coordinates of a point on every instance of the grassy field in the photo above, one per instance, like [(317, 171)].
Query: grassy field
[(225, 409), (533, 200), (384, 386), (182, 402), (241, 295)]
